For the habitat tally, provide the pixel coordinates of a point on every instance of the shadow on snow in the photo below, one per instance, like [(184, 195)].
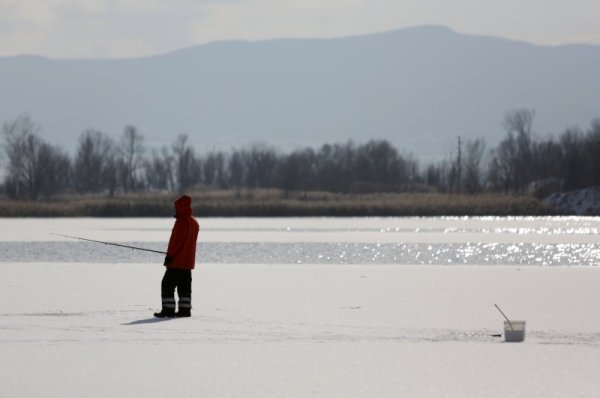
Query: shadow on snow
[(149, 320)]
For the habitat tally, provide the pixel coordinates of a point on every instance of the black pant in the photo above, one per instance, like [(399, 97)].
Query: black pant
[(181, 280)]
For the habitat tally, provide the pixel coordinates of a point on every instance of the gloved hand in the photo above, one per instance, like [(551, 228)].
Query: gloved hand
[(168, 260)]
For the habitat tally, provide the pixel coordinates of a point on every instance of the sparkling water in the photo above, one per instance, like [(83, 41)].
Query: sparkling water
[(542, 241)]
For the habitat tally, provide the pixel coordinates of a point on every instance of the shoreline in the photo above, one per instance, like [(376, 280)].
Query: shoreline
[(275, 203)]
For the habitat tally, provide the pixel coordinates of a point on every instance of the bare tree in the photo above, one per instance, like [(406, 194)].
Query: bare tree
[(261, 163), (160, 170), (19, 136), (296, 171), (593, 138), (187, 168), (501, 168), (511, 165), (574, 164), (237, 172), (213, 169), (334, 167), (93, 161), (378, 161), (131, 150), (35, 168), (520, 122), (472, 174), (53, 171)]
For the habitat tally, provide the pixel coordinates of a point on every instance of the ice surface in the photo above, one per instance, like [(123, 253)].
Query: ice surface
[(85, 328), (314, 229)]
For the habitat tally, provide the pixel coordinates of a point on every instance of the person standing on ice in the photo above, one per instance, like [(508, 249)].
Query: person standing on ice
[(180, 261)]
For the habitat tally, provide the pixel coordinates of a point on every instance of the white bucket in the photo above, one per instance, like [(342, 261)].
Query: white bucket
[(516, 333)]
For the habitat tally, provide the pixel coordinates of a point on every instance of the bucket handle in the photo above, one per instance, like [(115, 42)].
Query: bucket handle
[(505, 317)]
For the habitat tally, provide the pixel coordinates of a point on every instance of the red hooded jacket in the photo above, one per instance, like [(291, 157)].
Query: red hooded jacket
[(182, 245)]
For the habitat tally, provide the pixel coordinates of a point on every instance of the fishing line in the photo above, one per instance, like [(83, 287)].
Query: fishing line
[(110, 243)]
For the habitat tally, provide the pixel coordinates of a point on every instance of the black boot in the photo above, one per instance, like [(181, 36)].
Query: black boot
[(165, 313), (183, 313)]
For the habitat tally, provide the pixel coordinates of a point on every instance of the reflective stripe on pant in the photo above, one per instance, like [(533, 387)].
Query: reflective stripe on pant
[(168, 302), (185, 302)]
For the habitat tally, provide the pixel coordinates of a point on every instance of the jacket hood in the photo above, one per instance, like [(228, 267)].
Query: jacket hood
[(183, 206)]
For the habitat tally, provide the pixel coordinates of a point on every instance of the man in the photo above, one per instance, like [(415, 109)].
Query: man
[(180, 261)]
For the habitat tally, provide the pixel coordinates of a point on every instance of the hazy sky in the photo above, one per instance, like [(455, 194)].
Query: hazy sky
[(130, 28)]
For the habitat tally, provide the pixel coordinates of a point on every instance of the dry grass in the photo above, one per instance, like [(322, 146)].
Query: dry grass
[(275, 203)]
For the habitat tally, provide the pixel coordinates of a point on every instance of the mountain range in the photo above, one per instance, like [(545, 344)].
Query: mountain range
[(420, 88)]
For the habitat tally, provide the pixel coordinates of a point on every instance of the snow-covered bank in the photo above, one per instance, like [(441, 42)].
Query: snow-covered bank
[(70, 330), (580, 202)]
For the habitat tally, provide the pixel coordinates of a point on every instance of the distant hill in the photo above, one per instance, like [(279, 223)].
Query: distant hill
[(419, 88)]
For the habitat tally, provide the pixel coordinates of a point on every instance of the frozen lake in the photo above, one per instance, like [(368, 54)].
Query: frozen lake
[(298, 307), (417, 241)]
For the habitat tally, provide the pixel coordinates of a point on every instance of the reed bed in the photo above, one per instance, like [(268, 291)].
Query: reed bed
[(276, 203)]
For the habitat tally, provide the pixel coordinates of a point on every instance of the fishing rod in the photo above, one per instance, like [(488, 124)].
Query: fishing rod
[(111, 244)]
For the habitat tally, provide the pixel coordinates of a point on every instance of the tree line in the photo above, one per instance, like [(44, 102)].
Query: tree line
[(34, 169)]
